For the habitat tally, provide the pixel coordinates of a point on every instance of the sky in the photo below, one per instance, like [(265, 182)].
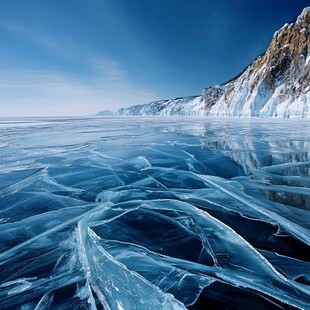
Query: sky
[(78, 57)]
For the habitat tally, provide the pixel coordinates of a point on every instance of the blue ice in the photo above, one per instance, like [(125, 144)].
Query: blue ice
[(154, 213)]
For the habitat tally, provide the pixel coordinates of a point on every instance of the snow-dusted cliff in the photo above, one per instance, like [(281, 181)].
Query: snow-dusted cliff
[(276, 84), (179, 106)]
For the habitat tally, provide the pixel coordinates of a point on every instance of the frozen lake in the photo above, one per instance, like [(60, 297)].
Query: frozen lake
[(154, 213)]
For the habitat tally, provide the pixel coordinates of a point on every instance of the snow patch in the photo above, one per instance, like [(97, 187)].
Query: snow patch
[(304, 12)]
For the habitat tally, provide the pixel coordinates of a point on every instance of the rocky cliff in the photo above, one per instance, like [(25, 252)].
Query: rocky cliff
[(276, 84)]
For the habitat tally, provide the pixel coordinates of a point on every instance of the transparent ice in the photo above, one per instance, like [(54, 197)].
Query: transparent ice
[(154, 213)]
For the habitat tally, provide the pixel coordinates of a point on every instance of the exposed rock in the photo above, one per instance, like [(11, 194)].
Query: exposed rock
[(276, 84)]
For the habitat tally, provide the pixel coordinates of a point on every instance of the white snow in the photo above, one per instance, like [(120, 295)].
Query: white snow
[(305, 10), (308, 59)]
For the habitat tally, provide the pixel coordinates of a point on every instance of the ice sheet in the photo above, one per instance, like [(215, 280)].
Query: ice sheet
[(154, 213)]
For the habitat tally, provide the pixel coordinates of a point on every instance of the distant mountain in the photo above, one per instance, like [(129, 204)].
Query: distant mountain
[(105, 113), (276, 84)]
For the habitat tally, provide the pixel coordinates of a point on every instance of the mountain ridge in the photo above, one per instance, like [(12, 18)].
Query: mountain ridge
[(275, 84)]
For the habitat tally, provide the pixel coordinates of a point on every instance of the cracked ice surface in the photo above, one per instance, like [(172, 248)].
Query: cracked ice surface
[(154, 213)]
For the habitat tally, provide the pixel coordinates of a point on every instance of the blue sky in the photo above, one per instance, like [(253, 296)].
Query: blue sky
[(77, 57)]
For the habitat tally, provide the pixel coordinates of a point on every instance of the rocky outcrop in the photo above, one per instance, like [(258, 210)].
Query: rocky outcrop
[(276, 84)]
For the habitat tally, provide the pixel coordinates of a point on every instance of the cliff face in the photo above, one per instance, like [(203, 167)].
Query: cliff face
[(276, 84), (186, 106)]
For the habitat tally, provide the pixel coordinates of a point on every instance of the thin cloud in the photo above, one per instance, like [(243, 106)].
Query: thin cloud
[(108, 69), (103, 83), (11, 26), (35, 93), (62, 48)]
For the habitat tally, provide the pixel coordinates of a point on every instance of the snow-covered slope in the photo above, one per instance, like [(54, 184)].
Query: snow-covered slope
[(179, 106), (276, 84)]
